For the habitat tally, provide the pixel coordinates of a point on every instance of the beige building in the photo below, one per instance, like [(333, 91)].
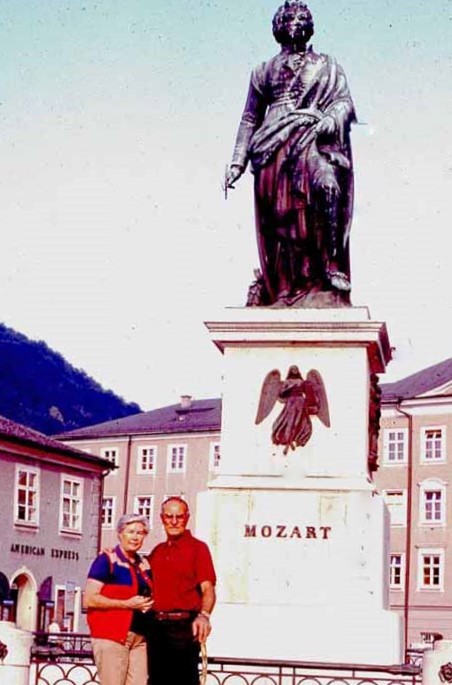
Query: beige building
[(414, 477), (174, 450)]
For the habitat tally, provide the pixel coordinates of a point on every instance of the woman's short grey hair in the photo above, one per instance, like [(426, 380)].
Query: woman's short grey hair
[(132, 518)]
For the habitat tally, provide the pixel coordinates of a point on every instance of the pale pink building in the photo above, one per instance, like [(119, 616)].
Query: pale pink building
[(414, 477), (50, 498), (173, 450)]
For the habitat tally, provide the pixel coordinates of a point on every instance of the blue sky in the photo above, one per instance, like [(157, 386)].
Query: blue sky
[(117, 119)]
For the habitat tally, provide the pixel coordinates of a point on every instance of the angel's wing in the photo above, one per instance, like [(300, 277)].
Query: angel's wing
[(271, 387), (316, 397)]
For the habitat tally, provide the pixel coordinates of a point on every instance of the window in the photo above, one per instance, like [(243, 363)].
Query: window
[(395, 445), (108, 512), (143, 506), (429, 638), (71, 505), (26, 496), (146, 459), (431, 569), (433, 505), (396, 501), (433, 444), (110, 453), (68, 606), (396, 571), (215, 456), (177, 458), (433, 502)]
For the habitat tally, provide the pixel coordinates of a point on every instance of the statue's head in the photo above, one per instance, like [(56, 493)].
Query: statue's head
[(293, 22), (293, 372)]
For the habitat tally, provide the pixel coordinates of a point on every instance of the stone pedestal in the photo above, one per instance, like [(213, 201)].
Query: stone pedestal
[(437, 664), (300, 540), (15, 667)]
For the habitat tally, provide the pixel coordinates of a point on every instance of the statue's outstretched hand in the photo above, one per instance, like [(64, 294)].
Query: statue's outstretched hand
[(233, 174)]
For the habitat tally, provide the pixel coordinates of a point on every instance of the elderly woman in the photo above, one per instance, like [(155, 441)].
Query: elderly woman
[(117, 597)]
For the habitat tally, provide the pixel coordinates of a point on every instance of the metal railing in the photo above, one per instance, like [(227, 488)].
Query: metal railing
[(223, 671), (74, 665)]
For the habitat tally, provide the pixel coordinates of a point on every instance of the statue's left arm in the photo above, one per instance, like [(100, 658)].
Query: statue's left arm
[(337, 104)]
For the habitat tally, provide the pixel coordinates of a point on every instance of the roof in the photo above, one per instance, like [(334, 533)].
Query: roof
[(17, 433), (197, 417), (419, 383)]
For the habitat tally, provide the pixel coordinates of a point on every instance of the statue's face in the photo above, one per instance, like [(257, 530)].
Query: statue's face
[(295, 27)]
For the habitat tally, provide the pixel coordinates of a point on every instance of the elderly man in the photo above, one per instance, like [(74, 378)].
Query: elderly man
[(184, 596), (117, 596)]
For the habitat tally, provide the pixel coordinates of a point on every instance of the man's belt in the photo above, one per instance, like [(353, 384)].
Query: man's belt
[(173, 615)]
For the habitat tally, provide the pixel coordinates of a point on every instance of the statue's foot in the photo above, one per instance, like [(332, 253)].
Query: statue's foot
[(339, 281)]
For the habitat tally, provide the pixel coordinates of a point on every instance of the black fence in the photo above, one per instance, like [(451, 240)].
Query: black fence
[(61, 647), (67, 657)]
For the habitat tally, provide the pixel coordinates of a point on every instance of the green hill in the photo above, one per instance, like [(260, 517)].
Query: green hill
[(40, 389)]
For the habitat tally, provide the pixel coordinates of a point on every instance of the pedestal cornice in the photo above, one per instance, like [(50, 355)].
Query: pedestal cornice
[(266, 327)]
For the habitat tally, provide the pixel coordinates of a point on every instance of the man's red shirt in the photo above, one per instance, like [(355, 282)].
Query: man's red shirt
[(178, 568)]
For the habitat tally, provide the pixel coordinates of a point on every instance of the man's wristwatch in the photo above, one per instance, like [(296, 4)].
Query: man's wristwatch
[(205, 614)]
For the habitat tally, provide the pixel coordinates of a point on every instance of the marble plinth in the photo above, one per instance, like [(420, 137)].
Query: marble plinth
[(300, 540)]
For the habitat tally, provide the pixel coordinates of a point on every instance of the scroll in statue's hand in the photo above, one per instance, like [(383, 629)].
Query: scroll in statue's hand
[(233, 174)]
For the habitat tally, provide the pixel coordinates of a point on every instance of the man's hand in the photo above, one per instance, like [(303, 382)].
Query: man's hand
[(201, 628)]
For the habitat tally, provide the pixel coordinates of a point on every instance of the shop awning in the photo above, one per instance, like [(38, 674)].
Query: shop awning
[(4, 587), (45, 590)]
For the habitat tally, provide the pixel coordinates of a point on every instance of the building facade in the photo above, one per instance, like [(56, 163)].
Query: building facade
[(50, 497), (174, 450), (415, 448)]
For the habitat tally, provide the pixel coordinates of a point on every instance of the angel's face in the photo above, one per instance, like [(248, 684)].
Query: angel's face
[(294, 372)]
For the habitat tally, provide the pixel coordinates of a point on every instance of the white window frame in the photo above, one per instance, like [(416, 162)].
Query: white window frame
[(215, 451), (400, 567), (177, 469), (112, 509), (115, 461), (423, 446), (137, 507), (395, 437), (29, 522), (429, 486), (79, 503), (151, 459), (430, 552), (397, 519)]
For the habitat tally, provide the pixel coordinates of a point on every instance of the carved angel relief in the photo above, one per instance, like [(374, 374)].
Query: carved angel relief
[(302, 398)]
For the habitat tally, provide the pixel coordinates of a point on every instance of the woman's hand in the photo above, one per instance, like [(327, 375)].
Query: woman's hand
[(138, 603)]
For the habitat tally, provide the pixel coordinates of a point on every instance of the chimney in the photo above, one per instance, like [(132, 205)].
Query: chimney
[(186, 402)]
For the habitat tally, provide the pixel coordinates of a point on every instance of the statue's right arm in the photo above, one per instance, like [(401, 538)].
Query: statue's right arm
[(252, 117)]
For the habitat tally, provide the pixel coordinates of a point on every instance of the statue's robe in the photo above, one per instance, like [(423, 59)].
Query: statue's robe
[(303, 181)]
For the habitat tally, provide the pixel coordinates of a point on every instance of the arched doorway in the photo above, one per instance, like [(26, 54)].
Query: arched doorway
[(24, 588)]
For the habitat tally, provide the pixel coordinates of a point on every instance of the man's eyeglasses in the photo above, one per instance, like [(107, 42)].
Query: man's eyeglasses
[(174, 517)]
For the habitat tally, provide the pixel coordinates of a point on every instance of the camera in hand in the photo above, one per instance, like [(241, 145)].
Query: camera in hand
[(145, 591)]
